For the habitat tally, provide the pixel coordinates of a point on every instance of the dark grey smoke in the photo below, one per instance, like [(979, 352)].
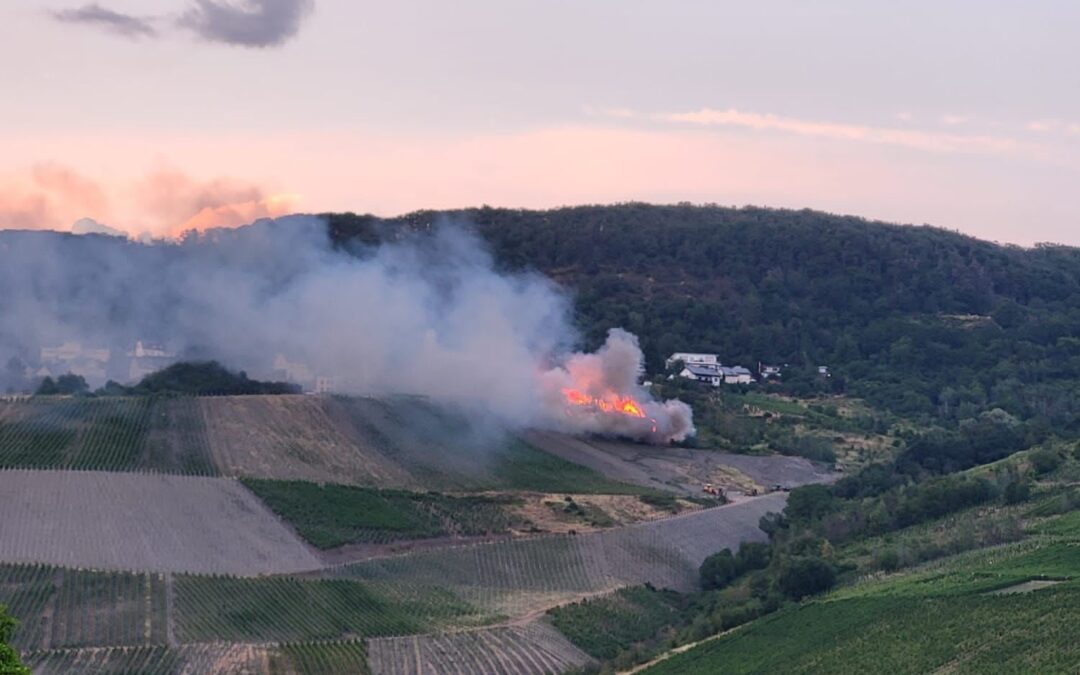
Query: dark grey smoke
[(252, 23), (94, 14), (427, 314)]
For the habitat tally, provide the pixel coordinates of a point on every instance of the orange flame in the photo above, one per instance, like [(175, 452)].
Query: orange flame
[(611, 404)]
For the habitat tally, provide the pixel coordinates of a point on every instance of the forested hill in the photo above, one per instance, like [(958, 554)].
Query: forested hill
[(922, 320)]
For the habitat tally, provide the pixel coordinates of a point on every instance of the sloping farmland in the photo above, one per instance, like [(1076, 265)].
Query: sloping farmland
[(514, 577), (294, 438), (531, 649), (128, 521)]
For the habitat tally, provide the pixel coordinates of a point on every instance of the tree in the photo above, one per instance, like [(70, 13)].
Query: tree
[(47, 387), (809, 502), (72, 384), (806, 576), (752, 555), (9, 658), (65, 385), (717, 570)]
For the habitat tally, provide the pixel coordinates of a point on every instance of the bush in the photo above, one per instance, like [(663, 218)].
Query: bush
[(717, 570), (806, 576)]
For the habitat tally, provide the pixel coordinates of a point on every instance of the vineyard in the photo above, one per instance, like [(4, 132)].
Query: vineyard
[(515, 577), (105, 434), (605, 625), (397, 443), (331, 515), (532, 649), (285, 609), (125, 521), (163, 535)]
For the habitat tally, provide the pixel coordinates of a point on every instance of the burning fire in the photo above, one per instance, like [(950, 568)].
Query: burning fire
[(612, 404)]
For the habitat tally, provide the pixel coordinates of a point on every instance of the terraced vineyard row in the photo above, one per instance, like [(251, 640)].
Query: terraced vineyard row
[(532, 649), (105, 434), (151, 522), (60, 608), (517, 576), (285, 609), (219, 658)]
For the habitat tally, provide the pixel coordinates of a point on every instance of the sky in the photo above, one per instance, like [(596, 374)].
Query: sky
[(156, 116)]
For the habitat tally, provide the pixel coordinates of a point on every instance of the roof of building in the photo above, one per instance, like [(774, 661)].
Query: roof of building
[(701, 371), (734, 371)]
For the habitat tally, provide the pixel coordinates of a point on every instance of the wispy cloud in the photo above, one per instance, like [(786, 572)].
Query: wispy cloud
[(932, 141), (255, 23), (95, 15), (954, 120), (243, 23)]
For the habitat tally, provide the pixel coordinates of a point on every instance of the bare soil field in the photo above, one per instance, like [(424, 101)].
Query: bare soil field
[(681, 470), (531, 649), (124, 521)]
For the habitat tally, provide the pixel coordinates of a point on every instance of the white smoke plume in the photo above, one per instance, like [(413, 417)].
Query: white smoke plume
[(425, 314)]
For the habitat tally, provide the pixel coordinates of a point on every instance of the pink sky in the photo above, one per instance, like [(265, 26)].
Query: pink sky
[(149, 122)]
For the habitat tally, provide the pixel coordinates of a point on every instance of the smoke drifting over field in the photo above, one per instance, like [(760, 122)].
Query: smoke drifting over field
[(427, 314)]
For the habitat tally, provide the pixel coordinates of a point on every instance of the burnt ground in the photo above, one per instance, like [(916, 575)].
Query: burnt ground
[(681, 470)]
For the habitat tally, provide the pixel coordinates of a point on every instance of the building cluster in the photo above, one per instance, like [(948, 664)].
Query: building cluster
[(708, 369), (299, 373), (98, 363)]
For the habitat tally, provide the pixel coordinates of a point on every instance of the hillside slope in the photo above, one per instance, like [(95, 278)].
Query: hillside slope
[(922, 320)]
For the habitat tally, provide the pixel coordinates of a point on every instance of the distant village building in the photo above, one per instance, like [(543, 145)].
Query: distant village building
[(326, 385), (704, 374), (690, 359), (717, 375), (147, 358), (737, 375), (292, 371), (72, 357), (823, 371), (767, 372)]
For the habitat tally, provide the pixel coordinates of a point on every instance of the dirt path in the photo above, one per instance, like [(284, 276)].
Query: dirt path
[(678, 650)]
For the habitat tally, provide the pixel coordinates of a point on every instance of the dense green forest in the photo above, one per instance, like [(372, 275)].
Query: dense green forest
[(922, 321)]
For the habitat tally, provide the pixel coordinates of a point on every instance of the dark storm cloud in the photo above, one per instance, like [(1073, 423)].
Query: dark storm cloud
[(95, 15), (255, 23)]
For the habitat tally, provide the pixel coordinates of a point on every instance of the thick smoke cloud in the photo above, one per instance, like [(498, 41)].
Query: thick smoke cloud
[(427, 314), (254, 23), (119, 23)]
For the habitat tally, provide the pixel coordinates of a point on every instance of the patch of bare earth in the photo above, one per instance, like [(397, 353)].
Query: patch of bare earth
[(553, 513)]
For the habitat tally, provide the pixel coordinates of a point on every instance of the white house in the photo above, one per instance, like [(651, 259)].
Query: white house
[(767, 371), (689, 359), (147, 358), (704, 374)]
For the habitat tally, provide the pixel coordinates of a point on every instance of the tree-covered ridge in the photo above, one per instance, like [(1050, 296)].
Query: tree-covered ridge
[(918, 319)]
